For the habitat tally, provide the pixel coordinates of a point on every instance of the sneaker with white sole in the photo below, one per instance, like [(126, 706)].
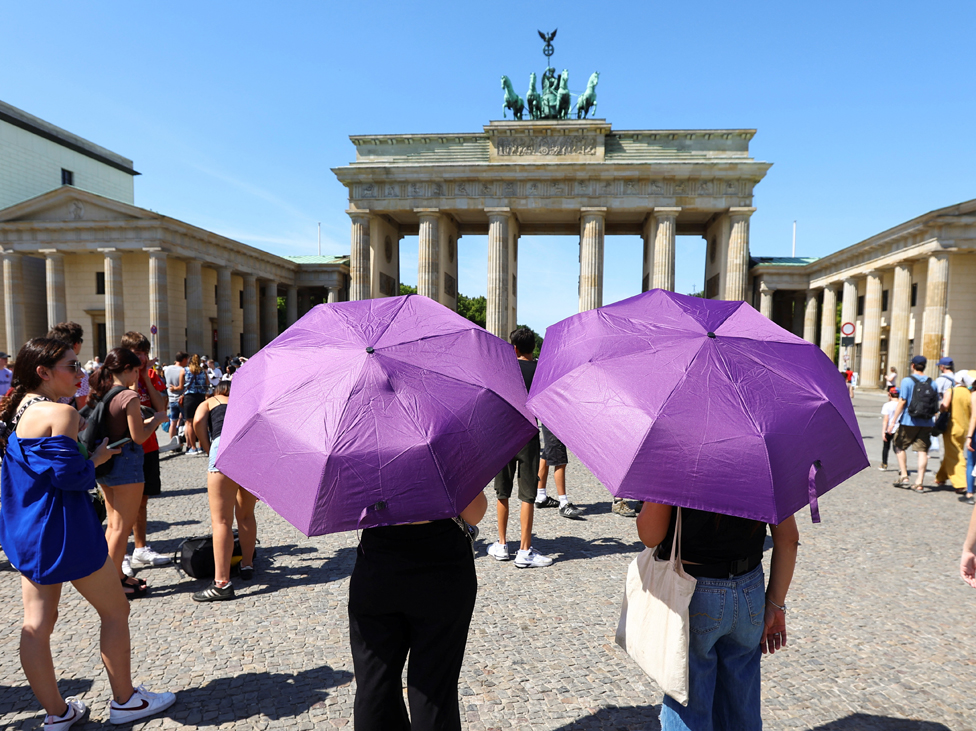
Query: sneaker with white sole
[(499, 551), (127, 566), (531, 559), (547, 502), (145, 558), (143, 703), (77, 712), (569, 511)]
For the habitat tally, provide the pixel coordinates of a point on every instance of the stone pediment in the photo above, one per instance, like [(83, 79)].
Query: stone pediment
[(71, 205)]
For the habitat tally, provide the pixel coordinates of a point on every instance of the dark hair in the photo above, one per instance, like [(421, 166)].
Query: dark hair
[(136, 342), (117, 361), (182, 355), (36, 352), (69, 332), (230, 369), (523, 339), (222, 388)]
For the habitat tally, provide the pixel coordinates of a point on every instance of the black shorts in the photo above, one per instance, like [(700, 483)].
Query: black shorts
[(151, 485), (553, 450), (190, 403), (526, 467)]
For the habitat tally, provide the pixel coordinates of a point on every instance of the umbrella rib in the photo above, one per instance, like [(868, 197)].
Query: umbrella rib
[(803, 386)]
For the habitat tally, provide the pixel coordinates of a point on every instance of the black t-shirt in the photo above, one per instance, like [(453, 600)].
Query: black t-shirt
[(528, 371), (713, 538)]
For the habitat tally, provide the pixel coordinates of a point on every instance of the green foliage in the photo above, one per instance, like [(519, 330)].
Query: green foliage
[(282, 314), (407, 289), (697, 294), (473, 308)]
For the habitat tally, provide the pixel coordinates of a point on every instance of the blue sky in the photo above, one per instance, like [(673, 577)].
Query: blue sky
[(235, 112)]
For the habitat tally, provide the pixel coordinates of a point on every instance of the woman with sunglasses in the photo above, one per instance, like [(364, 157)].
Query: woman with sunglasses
[(50, 533)]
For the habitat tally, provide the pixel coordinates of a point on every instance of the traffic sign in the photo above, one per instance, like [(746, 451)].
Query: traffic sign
[(847, 329), (847, 341), (153, 329)]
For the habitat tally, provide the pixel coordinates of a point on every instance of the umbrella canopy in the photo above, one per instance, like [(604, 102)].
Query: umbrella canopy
[(698, 403), (376, 412)]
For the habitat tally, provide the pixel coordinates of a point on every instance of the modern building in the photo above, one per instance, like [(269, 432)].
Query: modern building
[(75, 247)]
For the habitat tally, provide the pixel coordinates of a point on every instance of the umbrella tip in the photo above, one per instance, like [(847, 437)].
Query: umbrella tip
[(370, 350), (711, 335)]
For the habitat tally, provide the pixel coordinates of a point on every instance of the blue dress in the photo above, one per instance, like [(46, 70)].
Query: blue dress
[(48, 526)]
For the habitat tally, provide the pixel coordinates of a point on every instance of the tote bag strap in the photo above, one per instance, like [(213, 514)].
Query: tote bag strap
[(676, 541)]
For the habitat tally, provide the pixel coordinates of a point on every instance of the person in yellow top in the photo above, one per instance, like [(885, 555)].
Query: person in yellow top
[(953, 466)]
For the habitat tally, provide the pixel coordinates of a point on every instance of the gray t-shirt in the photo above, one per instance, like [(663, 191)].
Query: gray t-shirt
[(172, 375)]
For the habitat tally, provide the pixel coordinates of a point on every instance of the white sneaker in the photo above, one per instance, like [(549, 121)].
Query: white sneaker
[(141, 704), (531, 559), (77, 711), (144, 558), (499, 551), (127, 566)]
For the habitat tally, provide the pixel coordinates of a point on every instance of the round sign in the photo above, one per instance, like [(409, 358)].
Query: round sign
[(847, 329), (153, 329)]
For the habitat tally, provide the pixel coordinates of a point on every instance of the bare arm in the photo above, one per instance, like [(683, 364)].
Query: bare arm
[(652, 523), (64, 420), (141, 429), (967, 565), (475, 511), (200, 425), (898, 409), (786, 540), (971, 430), (884, 424)]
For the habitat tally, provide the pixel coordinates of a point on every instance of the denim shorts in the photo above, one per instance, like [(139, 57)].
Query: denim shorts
[(126, 467), (212, 461), (175, 411)]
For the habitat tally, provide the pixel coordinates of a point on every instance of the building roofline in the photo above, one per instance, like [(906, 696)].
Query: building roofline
[(34, 125)]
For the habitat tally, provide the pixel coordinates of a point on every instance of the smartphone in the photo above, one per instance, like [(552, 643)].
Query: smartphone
[(115, 445)]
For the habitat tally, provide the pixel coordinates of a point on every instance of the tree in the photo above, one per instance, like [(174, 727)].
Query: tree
[(473, 308), (407, 289)]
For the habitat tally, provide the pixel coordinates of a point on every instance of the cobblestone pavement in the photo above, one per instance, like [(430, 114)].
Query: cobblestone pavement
[(880, 624)]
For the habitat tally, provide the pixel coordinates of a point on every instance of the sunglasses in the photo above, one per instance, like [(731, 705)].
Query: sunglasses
[(74, 365)]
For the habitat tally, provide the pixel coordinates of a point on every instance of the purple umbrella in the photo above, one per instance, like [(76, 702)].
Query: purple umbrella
[(376, 412), (698, 403)]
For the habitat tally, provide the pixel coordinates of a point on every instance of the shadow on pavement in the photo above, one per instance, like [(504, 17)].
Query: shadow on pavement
[(571, 548), (868, 722), (19, 698), (273, 695), (618, 718)]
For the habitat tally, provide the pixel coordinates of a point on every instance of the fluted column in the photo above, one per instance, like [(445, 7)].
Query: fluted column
[(766, 300), (663, 272), (360, 288), (933, 320), (225, 322), (870, 371), (591, 258), (332, 294), (57, 307), (848, 313), (159, 303), (828, 321), (799, 302), (429, 262), (291, 306), (13, 301), (497, 315), (737, 267), (901, 313), (114, 303), (269, 314), (196, 340), (251, 331), (810, 317)]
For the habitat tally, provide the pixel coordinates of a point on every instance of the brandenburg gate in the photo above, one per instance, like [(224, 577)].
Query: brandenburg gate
[(566, 176)]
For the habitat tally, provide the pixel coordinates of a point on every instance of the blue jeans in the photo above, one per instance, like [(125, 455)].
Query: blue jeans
[(726, 618), (970, 464)]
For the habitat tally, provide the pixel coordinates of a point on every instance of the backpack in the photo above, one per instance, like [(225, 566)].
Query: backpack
[(925, 400), (195, 556), (96, 428)]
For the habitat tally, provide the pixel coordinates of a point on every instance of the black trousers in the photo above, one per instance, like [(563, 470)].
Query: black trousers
[(412, 591), (886, 441)]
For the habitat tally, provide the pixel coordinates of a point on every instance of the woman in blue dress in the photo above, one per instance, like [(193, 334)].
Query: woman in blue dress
[(51, 534)]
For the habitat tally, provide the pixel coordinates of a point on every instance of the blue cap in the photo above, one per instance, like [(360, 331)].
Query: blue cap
[(920, 360), (947, 361)]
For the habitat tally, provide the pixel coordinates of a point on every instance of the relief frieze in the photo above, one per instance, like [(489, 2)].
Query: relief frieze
[(522, 146)]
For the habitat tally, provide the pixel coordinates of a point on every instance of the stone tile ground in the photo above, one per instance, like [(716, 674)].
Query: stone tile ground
[(881, 625)]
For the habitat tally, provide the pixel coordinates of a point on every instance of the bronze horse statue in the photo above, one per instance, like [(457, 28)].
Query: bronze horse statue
[(587, 100), (512, 100), (533, 100), (562, 96)]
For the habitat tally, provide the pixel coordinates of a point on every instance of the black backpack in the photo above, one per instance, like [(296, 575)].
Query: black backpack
[(925, 400), (96, 428), (195, 556)]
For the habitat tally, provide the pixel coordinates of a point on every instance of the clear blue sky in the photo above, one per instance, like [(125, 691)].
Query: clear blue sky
[(234, 113)]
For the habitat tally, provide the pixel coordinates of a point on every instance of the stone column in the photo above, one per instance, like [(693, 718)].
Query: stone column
[(269, 315), (13, 301), (737, 271), (766, 300), (114, 303), (870, 371), (291, 306), (933, 319), (799, 315), (57, 307), (332, 294), (197, 340), (663, 272), (828, 321), (848, 313), (304, 302), (648, 234), (901, 312), (251, 333), (159, 304), (591, 258), (429, 261), (810, 317), (359, 259), (225, 322), (497, 315)]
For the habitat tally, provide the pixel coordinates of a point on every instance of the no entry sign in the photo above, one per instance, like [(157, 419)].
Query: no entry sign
[(847, 329)]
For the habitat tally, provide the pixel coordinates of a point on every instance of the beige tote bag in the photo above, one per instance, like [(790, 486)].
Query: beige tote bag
[(653, 626)]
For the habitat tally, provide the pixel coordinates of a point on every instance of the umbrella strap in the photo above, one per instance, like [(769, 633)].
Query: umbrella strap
[(812, 492)]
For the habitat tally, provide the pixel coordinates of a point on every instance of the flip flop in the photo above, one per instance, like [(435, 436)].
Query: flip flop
[(918, 488)]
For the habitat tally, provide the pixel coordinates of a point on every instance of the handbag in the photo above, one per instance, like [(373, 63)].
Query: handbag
[(653, 626)]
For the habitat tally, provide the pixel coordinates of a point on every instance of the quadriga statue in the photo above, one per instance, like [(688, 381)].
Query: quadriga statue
[(587, 100), (512, 100)]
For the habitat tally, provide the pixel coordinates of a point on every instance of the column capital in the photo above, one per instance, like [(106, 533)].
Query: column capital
[(155, 252), (662, 212), (600, 211), (764, 287), (741, 211), (250, 278), (50, 252), (427, 211), (498, 211), (851, 281), (110, 252), (355, 213)]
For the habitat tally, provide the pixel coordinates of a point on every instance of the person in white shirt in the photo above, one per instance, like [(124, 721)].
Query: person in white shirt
[(888, 426), (213, 373)]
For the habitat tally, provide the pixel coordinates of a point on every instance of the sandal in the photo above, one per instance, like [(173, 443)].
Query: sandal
[(902, 482), (133, 591), (918, 487)]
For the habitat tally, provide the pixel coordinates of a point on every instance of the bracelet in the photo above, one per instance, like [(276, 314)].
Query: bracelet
[(780, 608)]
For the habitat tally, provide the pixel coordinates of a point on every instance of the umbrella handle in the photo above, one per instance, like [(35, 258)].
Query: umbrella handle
[(812, 491)]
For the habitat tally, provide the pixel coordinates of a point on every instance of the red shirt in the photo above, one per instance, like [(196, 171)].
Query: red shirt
[(150, 445)]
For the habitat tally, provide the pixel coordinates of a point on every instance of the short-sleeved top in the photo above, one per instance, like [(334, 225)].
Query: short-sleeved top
[(889, 409), (944, 383), (118, 423), (528, 372), (150, 445), (711, 538), (6, 376), (195, 383), (172, 375), (905, 392)]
